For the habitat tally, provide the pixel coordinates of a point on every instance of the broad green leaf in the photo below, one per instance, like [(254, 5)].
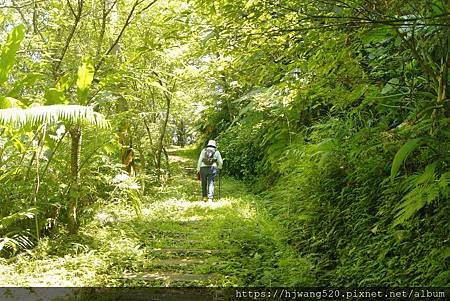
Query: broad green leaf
[(84, 80), (428, 174), (391, 86), (375, 36), (8, 102), (19, 145), (9, 174), (9, 50), (54, 96), (402, 154), (358, 92)]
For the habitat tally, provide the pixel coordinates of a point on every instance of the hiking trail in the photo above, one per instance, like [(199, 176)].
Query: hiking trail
[(178, 240)]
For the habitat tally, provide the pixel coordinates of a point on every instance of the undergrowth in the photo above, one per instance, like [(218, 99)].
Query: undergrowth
[(331, 187), (115, 240)]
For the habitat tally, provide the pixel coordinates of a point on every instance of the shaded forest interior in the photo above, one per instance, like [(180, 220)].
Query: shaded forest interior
[(332, 118)]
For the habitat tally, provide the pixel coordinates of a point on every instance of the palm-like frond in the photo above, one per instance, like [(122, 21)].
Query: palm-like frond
[(52, 114)]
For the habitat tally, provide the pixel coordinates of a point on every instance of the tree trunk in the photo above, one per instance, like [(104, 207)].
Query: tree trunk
[(149, 133), (128, 161), (166, 155), (163, 133), (442, 85), (181, 133), (443, 89), (142, 158), (75, 134)]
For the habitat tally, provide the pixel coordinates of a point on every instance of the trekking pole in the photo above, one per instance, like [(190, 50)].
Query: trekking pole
[(198, 178), (219, 182), (220, 178)]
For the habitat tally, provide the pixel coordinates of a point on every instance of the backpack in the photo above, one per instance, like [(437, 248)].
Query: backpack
[(209, 159)]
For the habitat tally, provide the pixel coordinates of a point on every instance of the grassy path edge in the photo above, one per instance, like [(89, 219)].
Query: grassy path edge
[(107, 251)]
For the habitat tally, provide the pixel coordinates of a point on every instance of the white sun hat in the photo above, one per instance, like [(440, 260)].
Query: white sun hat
[(212, 143)]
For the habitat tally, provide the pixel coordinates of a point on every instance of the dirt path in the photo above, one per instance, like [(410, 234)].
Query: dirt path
[(183, 246), (177, 241)]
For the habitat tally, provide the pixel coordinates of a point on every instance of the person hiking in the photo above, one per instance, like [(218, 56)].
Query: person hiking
[(209, 162)]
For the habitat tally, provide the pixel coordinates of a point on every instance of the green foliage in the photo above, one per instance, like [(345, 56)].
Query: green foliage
[(336, 113), (260, 256), (9, 50), (12, 243), (52, 114), (7, 102), (84, 80), (251, 247), (348, 147), (6, 221), (127, 188), (12, 238), (54, 97), (240, 149), (402, 154), (424, 189)]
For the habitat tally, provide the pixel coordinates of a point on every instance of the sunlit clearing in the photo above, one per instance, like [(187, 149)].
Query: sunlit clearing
[(183, 204), (247, 212)]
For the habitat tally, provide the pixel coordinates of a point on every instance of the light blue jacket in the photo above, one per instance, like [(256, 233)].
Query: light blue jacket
[(217, 156)]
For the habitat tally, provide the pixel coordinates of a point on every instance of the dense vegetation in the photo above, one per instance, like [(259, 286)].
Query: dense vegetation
[(343, 125), (334, 113)]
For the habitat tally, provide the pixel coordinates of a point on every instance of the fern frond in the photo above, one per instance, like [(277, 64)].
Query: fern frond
[(444, 184), (13, 242), (52, 114), (401, 156), (414, 201), (17, 216), (324, 146), (8, 244), (425, 191)]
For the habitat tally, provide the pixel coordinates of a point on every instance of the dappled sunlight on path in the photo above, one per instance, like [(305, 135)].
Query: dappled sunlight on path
[(185, 238), (177, 240), (182, 204)]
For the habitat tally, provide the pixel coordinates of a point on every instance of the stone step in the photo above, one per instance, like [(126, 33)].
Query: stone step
[(181, 240), (177, 262), (186, 265), (185, 251), (177, 243), (178, 234), (148, 293), (169, 277), (163, 234), (186, 241)]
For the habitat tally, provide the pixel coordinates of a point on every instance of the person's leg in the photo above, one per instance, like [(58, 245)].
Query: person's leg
[(204, 177), (211, 178)]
